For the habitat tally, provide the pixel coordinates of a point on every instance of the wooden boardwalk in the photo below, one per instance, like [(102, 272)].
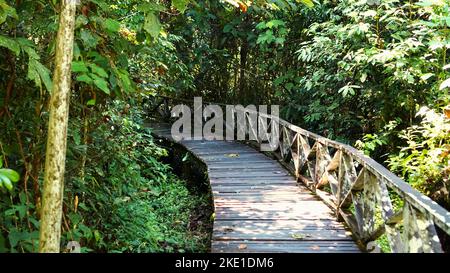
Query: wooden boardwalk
[(259, 206)]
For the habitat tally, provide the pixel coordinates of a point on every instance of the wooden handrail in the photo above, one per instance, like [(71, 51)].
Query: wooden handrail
[(360, 188)]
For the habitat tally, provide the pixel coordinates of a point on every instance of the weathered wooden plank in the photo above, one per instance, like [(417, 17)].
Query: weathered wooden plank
[(215, 143), (243, 168), (257, 202), (256, 180), (265, 194), (250, 174), (305, 223), (258, 162), (207, 143), (270, 165), (224, 151), (288, 230), (271, 198), (285, 206), (292, 234), (229, 157), (220, 148), (270, 212), (267, 171), (227, 153), (263, 189), (240, 246), (269, 185)]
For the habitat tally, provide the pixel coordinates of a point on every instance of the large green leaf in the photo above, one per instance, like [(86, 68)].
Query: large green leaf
[(11, 174), (148, 7), (308, 3), (180, 5), (81, 21), (125, 80), (89, 39), (91, 102), (6, 182), (42, 72), (28, 47), (275, 23), (98, 70), (101, 4), (34, 76), (85, 78), (6, 11), (38, 73), (152, 24), (76, 51), (10, 44), (16, 236), (79, 67)]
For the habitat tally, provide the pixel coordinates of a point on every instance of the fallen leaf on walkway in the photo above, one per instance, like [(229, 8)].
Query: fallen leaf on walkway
[(297, 236), (242, 246)]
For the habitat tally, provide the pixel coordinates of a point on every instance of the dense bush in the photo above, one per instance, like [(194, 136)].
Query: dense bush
[(424, 162), (118, 196), (123, 199)]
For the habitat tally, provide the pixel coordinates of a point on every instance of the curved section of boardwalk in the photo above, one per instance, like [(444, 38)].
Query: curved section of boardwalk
[(259, 207)]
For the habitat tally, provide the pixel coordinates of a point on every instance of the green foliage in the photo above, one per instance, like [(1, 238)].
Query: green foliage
[(180, 5), (268, 36), (152, 24), (352, 70), (355, 70), (10, 44), (6, 11), (424, 162), (308, 3), (373, 59), (127, 201), (370, 143), (39, 73)]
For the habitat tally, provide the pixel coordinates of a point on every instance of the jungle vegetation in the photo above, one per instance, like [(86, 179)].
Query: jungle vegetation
[(373, 74)]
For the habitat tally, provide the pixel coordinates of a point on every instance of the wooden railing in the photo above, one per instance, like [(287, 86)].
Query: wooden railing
[(358, 189)]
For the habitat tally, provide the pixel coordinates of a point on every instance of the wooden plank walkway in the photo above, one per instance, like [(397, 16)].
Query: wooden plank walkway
[(259, 206)]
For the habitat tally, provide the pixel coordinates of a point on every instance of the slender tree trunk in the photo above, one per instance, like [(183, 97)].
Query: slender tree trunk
[(52, 197)]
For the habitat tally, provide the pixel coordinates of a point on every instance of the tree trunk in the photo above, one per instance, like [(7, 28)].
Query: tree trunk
[(243, 65), (52, 197)]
